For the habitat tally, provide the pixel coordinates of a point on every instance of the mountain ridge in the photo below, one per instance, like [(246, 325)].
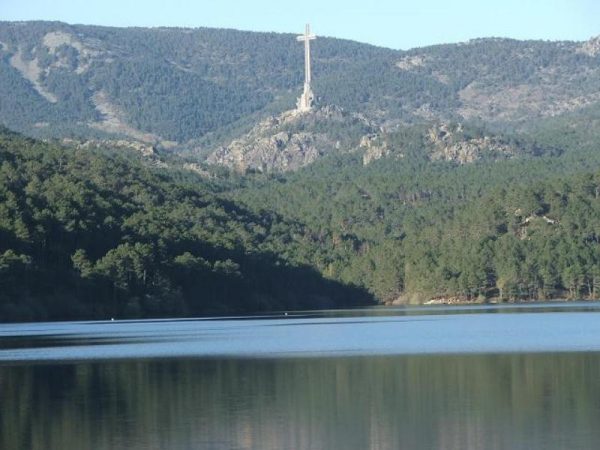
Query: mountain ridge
[(176, 86)]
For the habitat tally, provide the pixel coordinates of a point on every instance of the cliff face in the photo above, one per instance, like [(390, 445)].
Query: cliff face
[(442, 142), (281, 152)]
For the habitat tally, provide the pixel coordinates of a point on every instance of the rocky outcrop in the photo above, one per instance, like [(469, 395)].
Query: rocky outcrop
[(282, 151), (411, 62), (591, 47), (374, 147), (289, 141), (293, 140), (449, 143)]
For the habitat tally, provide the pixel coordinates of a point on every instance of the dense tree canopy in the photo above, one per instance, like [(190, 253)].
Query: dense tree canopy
[(404, 227), (95, 234), (100, 233)]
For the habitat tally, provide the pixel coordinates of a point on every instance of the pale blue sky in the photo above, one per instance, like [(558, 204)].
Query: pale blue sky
[(396, 24)]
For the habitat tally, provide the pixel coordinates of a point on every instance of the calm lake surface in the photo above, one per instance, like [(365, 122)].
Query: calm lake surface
[(476, 377)]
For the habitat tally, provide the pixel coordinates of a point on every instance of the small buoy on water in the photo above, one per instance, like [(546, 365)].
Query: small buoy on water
[(285, 314), (112, 319)]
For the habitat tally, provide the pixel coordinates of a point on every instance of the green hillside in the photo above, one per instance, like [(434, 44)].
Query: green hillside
[(180, 85), (409, 229), (97, 234), (177, 84)]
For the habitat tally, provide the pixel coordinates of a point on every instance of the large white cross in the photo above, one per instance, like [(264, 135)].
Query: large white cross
[(306, 37)]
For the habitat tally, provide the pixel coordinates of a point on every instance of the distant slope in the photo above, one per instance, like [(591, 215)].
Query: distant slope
[(173, 85)]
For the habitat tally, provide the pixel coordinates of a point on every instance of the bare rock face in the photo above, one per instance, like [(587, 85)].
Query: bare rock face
[(450, 144), (282, 151), (591, 47), (374, 147), (410, 62), (288, 141)]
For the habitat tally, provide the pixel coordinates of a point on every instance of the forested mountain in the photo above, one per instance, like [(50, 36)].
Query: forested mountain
[(153, 84), (468, 171), (411, 229), (91, 232), (171, 85)]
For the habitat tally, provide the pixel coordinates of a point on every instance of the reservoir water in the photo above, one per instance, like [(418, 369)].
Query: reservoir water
[(477, 377)]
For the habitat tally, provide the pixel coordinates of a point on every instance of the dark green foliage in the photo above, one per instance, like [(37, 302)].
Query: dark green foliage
[(525, 228), (174, 104), (93, 234), (20, 105)]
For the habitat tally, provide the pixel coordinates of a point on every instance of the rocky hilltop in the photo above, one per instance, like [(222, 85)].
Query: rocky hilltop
[(294, 139)]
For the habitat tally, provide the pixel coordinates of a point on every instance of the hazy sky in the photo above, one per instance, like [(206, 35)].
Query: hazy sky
[(390, 23)]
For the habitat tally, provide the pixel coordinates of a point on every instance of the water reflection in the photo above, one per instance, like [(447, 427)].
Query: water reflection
[(548, 401)]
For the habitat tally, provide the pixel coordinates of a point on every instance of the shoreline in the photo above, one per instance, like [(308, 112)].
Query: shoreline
[(488, 301)]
